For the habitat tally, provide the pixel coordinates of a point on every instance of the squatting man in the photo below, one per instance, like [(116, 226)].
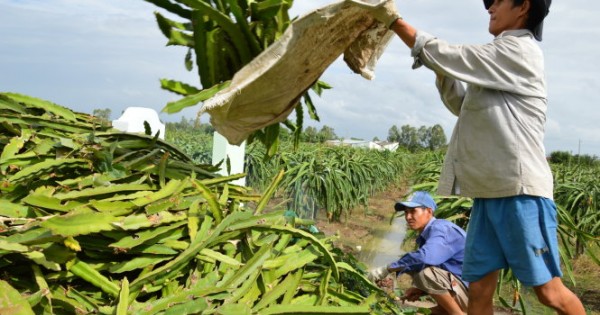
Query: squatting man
[(436, 266)]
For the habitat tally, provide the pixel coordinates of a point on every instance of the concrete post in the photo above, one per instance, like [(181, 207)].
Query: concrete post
[(222, 149), (132, 120)]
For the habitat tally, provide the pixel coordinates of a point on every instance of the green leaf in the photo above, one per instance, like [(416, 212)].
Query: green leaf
[(40, 259), (213, 203), (267, 9), (203, 238), (220, 18), (193, 99), (12, 247), (269, 193), (138, 221), (172, 7), (33, 236), (252, 265), (178, 87), (122, 307), (46, 166), (12, 148), (234, 309), (288, 284), (173, 31), (137, 263), (172, 187), (57, 110), (305, 235), (13, 210), (74, 224), (11, 302), (189, 63), (220, 257), (41, 282), (102, 190), (242, 22), (288, 263), (205, 286), (348, 269), (91, 275), (312, 111), (9, 104), (141, 237), (47, 202), (308, 309)]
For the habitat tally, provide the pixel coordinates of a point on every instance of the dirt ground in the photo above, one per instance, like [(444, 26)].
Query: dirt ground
[(357, 229)]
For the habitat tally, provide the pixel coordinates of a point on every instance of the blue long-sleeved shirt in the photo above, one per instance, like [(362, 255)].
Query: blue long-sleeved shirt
[(441, 244)]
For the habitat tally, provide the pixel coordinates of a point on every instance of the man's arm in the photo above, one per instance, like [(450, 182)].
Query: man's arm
[(436, 250), (406, 32), (452, 92)]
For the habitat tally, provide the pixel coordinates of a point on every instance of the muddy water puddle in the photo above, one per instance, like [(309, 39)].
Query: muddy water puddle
[(385, 246)]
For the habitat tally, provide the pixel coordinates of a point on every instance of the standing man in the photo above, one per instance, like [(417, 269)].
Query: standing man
[(496, 154), (436, 267)]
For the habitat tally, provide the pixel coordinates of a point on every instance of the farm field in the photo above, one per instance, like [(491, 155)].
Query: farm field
[(96, 220), (356, 221)]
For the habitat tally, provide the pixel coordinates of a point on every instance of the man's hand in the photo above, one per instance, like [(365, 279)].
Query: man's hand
[(378, 273), (412, 294), (385, 12)]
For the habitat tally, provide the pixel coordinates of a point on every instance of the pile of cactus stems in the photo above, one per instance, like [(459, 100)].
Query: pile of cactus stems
[(93, 220)]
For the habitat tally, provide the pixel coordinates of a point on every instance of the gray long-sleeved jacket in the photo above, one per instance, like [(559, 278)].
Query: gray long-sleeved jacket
[(496, 148)]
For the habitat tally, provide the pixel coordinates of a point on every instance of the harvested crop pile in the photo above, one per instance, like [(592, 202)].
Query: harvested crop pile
[(94, 221)]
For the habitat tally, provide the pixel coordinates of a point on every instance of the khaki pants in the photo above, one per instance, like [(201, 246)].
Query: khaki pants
[(436, 281)]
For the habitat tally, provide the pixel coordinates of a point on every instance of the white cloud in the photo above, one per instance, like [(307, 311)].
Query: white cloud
[(88, 54)]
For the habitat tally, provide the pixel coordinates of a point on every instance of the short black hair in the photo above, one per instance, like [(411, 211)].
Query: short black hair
[(537, 12)]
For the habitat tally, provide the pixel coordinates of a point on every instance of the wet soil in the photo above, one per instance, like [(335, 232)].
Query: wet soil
[(361, 229)]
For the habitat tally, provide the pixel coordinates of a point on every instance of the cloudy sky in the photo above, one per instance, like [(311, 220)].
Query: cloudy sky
[(87, 54)]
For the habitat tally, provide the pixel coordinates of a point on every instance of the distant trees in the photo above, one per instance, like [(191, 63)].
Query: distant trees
[(436, 137), (413, 139), (560, 157), (190, 124), (393, 134), (103, 114), (409, 138), (311, 134), (326, 133), (564, 157)]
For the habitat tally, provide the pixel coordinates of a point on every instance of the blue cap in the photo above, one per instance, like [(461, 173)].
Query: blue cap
[(415, 200)]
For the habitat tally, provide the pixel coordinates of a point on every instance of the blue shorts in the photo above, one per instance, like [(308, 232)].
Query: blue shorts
[(517, 232)]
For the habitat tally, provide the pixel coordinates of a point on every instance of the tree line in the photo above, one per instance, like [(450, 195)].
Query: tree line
[(409, 138), (565, 157), (415, 139)]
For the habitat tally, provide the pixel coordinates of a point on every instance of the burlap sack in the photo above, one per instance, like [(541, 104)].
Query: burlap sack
[(266, 90)]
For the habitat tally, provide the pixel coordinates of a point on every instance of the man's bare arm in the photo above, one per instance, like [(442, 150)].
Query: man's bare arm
[(405, 31)]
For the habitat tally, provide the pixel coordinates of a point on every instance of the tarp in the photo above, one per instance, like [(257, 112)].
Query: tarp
[(267, 89)]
